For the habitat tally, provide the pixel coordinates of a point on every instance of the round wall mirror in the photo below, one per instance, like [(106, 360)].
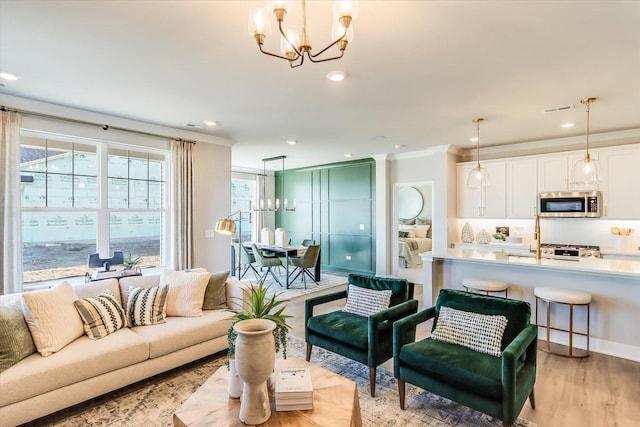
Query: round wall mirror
[(409, 202)]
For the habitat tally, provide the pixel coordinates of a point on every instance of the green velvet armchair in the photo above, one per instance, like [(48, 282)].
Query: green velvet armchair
[(496, 386), (367, 340)]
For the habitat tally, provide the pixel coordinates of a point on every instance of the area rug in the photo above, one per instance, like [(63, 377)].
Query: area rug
[(297, 288), (152, 402)]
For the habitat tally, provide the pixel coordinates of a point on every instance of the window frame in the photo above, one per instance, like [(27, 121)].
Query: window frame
[(102, 210)]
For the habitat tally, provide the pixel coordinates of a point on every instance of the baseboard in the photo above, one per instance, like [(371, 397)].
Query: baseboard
[(596, 345)]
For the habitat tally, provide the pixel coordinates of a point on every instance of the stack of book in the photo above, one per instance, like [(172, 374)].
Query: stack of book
[(294, 391)]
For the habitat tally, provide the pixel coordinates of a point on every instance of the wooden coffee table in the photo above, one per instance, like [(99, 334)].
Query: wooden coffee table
[(335, 402)]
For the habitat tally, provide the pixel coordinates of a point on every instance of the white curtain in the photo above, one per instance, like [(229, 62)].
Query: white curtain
[(11, 231), (182, 205)]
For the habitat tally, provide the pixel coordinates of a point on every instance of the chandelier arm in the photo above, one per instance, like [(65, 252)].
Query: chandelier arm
[(292, 63), (295, 49), (326, 59), (273, 54), (327, 48)]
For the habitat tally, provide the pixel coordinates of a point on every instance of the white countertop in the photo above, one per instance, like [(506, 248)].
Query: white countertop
[(619, 268)]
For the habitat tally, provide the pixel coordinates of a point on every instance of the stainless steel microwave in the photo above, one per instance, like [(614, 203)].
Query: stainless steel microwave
[(570, 204)]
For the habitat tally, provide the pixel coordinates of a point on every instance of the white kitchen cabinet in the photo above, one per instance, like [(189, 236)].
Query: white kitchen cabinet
[(488, 202), (621, 186), (521, 188), (554, 171)]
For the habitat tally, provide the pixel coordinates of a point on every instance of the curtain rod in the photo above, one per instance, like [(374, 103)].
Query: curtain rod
[(83, 122)]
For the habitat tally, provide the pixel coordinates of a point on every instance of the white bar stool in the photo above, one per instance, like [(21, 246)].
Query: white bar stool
[(570, 298), (486, 286)]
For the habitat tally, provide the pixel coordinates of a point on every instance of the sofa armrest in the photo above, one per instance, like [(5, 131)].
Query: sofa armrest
[(404, 332), (524, 344), (237, 294)]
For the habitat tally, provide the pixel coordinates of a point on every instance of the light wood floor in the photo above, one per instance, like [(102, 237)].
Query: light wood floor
[(598, 391)]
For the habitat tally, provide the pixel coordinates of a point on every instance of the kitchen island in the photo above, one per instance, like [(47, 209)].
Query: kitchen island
[(613, 284)]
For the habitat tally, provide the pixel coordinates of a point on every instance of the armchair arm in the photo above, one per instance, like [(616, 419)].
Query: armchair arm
[(398, 311), (525, 342), (404, 331), (310, 303)]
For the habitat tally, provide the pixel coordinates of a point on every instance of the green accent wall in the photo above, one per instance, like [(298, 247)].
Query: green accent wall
[(333, 202)]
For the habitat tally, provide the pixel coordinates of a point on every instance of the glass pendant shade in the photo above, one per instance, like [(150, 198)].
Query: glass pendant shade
[(259, 22), (478, 178), (345, 8), (585, 172)]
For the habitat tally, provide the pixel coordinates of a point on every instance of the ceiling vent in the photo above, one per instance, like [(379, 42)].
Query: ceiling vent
[(191, 125), (561, 108)]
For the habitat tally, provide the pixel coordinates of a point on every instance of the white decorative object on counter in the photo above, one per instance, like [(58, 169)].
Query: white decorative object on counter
[(483, 237), (281, 237), (267, 237), (467, 233)]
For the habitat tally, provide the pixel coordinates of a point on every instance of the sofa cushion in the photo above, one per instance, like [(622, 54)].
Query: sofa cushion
[(479, 332), (102, 315), (399, 287), (181, 332), (365, 302), (348, 328), (52, 318), (186, 292), (15, 338), (456, 365), (146, 306), (94, 288), (215, 296), (81, 359), (518, 312)]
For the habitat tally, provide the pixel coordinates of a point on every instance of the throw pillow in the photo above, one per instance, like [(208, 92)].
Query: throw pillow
[(146, 306), (410, 229), (422, 230), (365, 302), (52, 318), (403, 234), (479, 332), (102, 315), (215, 296), (15, 339), (186, 291)]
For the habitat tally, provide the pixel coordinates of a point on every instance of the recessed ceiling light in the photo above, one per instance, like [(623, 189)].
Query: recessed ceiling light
[(348, 155), (567, 125), (337, 76), (474, 139), (210, 123), (9, 76), (292, 141)]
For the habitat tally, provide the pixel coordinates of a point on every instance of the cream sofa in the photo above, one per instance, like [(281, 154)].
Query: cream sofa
[(85, 368)]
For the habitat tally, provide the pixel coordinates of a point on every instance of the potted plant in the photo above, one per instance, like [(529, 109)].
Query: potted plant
[(260, 306), (130, 264)]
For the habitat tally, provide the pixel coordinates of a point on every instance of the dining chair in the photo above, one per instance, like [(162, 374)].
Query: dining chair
[(266, 262), (304, 264), (245, 262)]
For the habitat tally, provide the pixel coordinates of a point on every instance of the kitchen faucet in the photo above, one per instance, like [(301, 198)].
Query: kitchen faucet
[(536, 235)]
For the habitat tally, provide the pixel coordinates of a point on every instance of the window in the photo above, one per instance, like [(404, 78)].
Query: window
[(242, 199), (80, 198)]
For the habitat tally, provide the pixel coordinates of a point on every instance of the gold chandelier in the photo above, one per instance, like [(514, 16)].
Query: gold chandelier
[(292, 46)]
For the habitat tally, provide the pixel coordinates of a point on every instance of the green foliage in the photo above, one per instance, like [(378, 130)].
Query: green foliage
[(130, 262), (259, 306)]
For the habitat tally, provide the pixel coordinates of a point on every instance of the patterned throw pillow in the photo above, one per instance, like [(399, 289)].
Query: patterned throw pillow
[(146, 306), (403, 234), (15, 339), (365, 302), (479, 332), (52, 318), (215, 297), (102, 315)]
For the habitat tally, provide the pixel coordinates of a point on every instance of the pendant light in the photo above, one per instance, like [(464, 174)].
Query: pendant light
[(478, 177), (586, 172)]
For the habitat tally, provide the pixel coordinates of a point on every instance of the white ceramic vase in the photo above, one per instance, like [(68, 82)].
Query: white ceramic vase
[(235, 382), (467, 233), (255, 354)]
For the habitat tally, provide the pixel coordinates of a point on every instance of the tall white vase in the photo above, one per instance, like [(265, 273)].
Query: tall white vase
[(235, 382), (255, 354)]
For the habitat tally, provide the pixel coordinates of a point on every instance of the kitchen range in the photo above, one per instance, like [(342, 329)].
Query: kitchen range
[(569, 252)]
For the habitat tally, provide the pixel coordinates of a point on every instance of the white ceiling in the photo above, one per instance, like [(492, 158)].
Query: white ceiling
[(419, 71)]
